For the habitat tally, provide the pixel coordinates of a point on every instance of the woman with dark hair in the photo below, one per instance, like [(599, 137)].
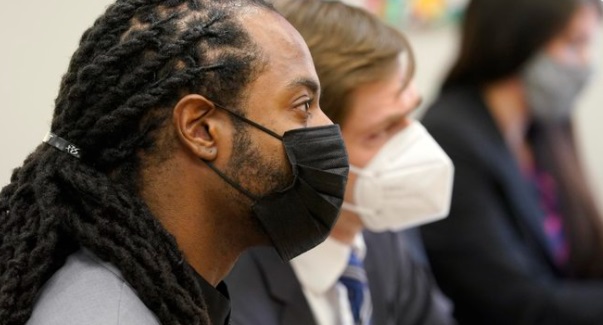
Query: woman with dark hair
[(524, 240)]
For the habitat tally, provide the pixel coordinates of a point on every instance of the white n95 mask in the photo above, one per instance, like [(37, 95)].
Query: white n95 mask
[(407, 184)]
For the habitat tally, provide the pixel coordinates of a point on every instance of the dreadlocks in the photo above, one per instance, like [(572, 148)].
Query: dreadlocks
[(131, 67)]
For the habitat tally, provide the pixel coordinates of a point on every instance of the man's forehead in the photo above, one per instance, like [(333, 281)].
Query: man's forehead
[(288, 60), (279, 42)]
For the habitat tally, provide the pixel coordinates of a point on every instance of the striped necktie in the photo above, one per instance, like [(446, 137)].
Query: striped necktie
[(355, 281)]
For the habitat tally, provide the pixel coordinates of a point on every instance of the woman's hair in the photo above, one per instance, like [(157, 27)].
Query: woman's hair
[(349, 46), (131, 67), (555, 151), (498, 38)]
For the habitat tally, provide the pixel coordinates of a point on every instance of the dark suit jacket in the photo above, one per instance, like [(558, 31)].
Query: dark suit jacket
[(265, 291), (490, 255)]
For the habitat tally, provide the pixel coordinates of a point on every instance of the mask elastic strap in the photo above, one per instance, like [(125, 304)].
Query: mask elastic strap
[(62, 144), (356, 209), (361, 171), (263, 128), (356, 170), (231, 182)]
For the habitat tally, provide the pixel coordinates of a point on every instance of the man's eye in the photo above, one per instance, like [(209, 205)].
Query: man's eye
[(303, 110), (305, 106)]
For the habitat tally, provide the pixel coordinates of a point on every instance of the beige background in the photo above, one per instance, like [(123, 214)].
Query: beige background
[(38, 38)]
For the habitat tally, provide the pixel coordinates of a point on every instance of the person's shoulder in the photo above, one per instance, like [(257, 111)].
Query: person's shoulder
[(462, 125), (87, 290), (453, 101), (251, 266), (256, 288), (384, 248), (454, 110)]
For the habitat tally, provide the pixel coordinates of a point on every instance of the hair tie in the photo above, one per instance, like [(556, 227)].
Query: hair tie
[(62, 144)]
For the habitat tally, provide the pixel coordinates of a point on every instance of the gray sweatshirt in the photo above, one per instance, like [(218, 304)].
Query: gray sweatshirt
[(88, 291)]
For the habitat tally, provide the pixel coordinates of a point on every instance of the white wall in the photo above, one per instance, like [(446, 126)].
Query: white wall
[(590, 127), (38, 38)]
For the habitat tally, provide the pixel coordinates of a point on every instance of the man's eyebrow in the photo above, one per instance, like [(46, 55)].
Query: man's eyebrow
[(305, 82)]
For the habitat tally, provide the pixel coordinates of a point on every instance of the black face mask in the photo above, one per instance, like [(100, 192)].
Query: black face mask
[(302, 215)]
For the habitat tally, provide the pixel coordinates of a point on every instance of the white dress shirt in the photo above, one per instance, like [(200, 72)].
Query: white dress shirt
[(319, 270)]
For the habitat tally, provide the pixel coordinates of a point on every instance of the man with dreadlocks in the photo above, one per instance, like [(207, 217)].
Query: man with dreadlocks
[(184, 132)]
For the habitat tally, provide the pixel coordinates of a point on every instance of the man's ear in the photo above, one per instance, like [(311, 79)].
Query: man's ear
[(195, 125)]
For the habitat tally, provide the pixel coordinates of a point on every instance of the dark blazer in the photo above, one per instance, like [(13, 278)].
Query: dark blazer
[(490, 255), (265, 291)]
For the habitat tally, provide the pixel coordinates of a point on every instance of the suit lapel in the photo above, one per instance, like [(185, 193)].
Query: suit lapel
[(380, 281), (517, 189), (514, 186), (284, 287)]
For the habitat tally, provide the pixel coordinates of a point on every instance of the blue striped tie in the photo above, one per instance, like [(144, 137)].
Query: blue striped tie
[(355, 281)]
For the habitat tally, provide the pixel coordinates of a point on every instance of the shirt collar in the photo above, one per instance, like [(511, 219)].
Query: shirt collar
[(321, 267)]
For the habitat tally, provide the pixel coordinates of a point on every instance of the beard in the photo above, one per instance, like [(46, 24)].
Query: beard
[(255, 172)]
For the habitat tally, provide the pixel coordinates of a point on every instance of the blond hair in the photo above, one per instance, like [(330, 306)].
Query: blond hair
[(350, 47)]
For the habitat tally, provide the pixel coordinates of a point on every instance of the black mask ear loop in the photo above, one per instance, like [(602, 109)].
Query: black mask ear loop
[(221, 174), (252, 123), (231, 182)]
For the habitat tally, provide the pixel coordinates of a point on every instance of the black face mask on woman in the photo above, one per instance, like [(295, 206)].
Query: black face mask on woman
[(301, 216)]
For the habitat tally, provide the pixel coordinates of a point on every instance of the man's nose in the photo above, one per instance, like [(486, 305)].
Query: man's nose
[(319, 118)]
